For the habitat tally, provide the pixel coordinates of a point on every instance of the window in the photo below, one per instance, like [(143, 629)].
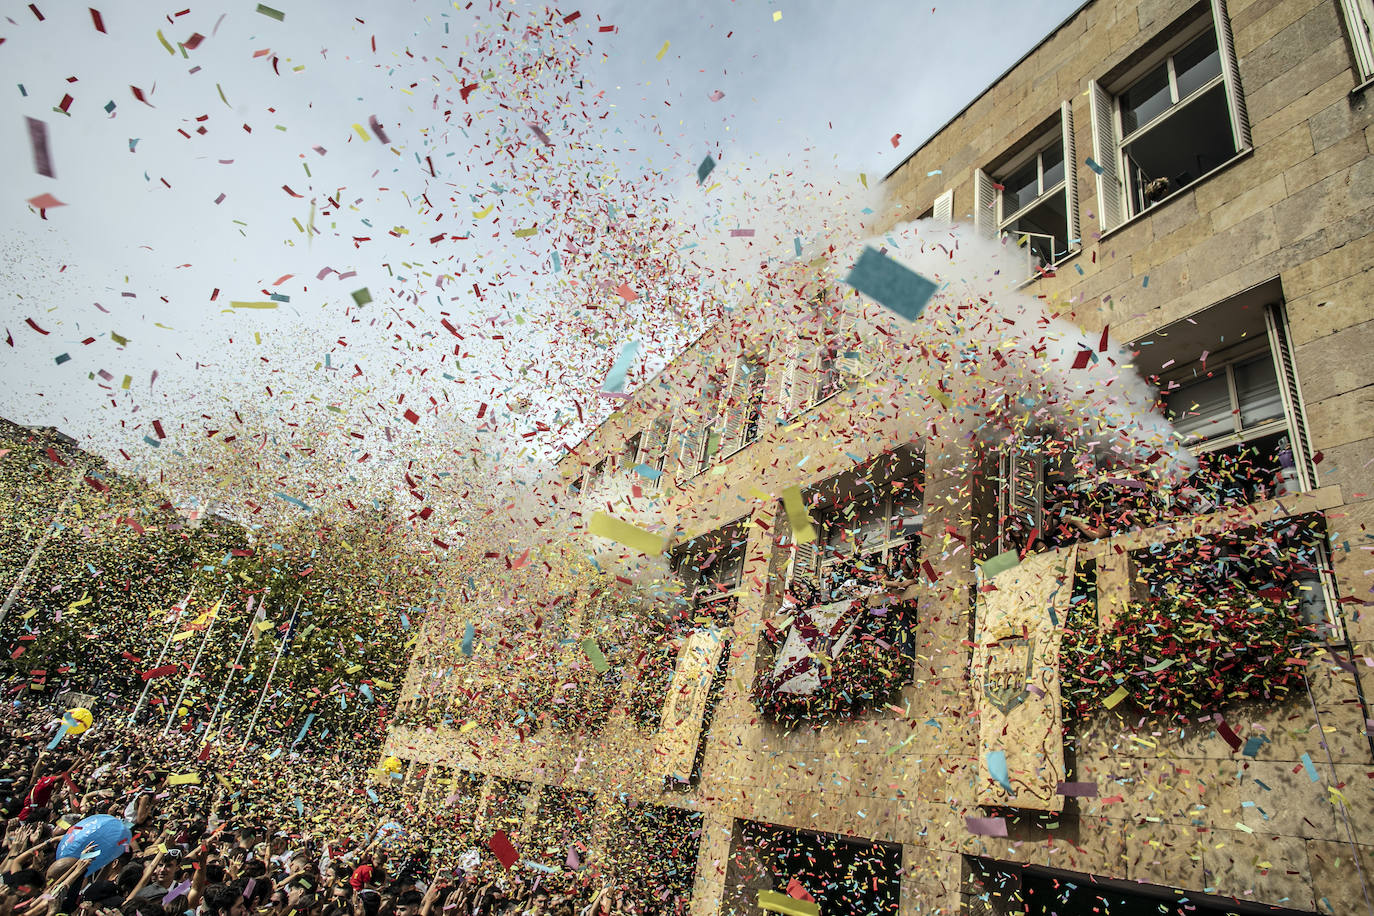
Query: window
[(1282, 562), (653, 451), (711, 568), (868, 519), (736, 402), (1033, 202), (1170, 122), (828, 356), (943, 210), (1359, 19), (1241, 410)]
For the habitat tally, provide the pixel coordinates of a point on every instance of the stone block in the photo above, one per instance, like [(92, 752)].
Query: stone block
[(1342, 880), (1331, 159), (1248, 202), (1299, 110), (1342, 118), (1261, 868), (1336, 363), (1316, 206), (1345, 418), (1326, 57)]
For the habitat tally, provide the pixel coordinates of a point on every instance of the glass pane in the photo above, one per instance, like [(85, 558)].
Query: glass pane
[(1146, 99), (1020, 188), (1052, 162), (1257, 388), (1202, 409), (1194, 139), (1197, 64)]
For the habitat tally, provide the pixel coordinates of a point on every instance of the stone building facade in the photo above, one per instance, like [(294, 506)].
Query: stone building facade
[(1196, 177)]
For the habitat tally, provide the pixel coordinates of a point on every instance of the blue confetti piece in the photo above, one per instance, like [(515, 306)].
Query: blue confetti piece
[(1145, 281), (1253, 745), (110, 107), (1079, 268), (1091, 163), (557, 263), (796, 243), (153, 442), (300, 736), (615, 379), (1311, 770), (997, 769), (707, 166), (469, 633), (22, 91), (62, 358), (648, 473), (133, 141), (300, 808), (293, 501), (891, 284)]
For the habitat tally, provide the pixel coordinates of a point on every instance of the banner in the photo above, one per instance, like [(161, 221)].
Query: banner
[(1016, 682), (685, 707)]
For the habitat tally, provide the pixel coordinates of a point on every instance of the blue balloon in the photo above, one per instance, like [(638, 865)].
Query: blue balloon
[(109, 834)]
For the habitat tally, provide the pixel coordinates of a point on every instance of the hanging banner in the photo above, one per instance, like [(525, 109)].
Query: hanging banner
[(685, 707), (1016, 682)]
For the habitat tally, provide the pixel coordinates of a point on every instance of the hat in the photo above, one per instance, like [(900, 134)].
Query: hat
[(102, 893)]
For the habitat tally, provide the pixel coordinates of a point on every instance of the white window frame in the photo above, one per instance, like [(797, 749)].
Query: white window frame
[(991, 219), (1293, 421), (1114, 207), (943, 208), (1359, 21)]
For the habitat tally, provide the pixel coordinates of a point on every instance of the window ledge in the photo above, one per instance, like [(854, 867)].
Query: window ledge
[(1361, 87), (1243, 154)]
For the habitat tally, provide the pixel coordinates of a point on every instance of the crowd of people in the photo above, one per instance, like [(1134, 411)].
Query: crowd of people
[(210, 833)]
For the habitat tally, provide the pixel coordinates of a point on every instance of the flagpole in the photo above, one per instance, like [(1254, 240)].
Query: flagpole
[(42, 542), (148, 684), (281, 649), (195, 662), (243, 647)]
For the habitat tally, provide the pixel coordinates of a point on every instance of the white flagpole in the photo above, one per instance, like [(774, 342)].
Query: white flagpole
[(42, 542), (243, 647), (147, 685), (195, 662), (281, 649)]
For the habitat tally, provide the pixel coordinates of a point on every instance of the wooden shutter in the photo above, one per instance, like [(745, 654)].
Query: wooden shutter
[(735, 404), (1359, 28), (854, 356), (1022, 489), (1109, 203), (985, 205), (689, 446), (1075, 239), (1277, 327), (798, 383), (755, 382), (1230, 71), (944, 207), (805, 565)]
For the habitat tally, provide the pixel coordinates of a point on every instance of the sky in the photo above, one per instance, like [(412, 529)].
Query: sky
[(202, 194)]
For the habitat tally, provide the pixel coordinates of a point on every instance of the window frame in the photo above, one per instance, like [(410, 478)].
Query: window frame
[(1359, 23), (1226, 362)]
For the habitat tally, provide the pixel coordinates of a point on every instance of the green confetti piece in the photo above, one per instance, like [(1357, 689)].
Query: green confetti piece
[(595, 656), (362, 296), (271, 13)]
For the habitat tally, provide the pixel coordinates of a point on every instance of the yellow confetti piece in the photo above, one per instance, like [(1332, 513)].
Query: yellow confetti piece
[(128, 380), (253, 305), (165, 43), (940, 396), (635, 538), (661, 51), (221, 95), (467, 727), (361, 132), (184, 634), (526, 233), (184, 779), (483, 214), (777, 15), (1117, 696), (803, 532)]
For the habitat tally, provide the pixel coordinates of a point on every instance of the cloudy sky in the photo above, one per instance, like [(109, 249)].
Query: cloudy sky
[(210, 182)]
